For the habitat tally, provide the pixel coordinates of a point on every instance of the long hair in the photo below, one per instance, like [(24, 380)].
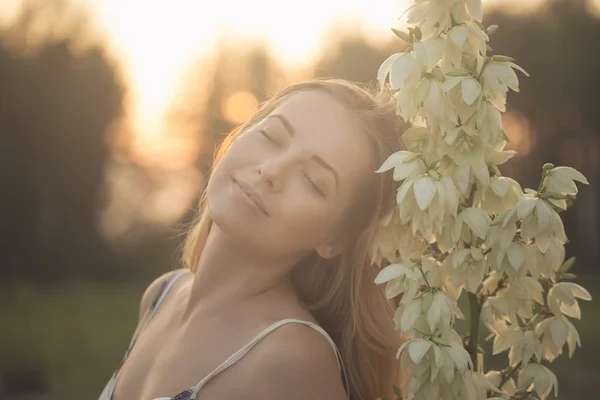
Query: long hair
[(340, 293)]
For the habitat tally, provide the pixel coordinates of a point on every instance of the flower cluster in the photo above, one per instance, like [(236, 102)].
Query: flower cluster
[(460, 227)]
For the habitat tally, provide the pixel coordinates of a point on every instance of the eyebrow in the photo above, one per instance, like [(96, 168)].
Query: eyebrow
[(286, 124), (291, 131)]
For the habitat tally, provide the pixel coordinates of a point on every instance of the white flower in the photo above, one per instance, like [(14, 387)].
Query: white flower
[(466, 268), (526, 347), (434, 363), (429, 52), (400, 67), (487, 122), (437, 16), (547, 264), (562, 299), (543, 379), (505, 335), (430, 313), (394, 241), (497, 77), (471, 221), (539, 221), (415, 351), (555, 332), (517, 299), (468, 152), (406, 164), (562, 180), (467, 93), (522, 344), (501, 194), (498, 155), (425, 201), (419, 139), (407, 102), (495, 308), (402, 278), (471, 386), (500, 238), (466, 38), (469, 228), (495, 378), (516, 261), (521, 295), (386, 238), (437, 108)]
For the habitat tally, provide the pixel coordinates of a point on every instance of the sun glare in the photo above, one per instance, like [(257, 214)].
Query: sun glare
[(238, 107), (156, 41)]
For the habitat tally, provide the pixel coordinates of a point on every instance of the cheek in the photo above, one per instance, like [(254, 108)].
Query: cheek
[(307, 221)]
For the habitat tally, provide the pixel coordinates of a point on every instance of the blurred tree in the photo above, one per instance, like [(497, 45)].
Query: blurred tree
[(57, 98), (351, 56), (559, 103)]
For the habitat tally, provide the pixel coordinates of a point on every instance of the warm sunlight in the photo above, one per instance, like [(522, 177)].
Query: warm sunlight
[(238, 107), (156, 42)]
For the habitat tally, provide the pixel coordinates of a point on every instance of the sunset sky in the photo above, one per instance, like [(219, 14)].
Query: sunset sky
[(189, 29), (155, 42)]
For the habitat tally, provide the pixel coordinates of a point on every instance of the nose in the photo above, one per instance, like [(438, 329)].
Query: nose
[(273, 172)]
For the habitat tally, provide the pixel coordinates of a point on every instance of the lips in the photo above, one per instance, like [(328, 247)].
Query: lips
[(253, 195)]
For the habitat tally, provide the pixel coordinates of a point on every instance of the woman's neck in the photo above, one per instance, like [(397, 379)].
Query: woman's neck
[(228, 273)]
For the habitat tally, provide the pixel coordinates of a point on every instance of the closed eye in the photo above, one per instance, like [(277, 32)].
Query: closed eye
[(269, 138), (314, 185)]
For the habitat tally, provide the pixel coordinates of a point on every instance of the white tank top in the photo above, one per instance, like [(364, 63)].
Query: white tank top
[(192, 392)]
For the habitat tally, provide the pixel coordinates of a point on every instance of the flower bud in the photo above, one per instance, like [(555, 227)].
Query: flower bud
[(548, 166), (491, 29)]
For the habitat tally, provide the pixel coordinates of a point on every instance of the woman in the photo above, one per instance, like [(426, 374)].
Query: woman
[(278, 300)]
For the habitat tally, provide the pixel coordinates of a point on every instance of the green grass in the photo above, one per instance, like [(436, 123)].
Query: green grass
[(71, 335)]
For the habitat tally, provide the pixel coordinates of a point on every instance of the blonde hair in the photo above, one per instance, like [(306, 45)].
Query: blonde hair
[(340, 292)]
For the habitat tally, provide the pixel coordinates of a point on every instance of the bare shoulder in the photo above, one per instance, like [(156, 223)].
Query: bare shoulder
[(297, 362), (152, 290)]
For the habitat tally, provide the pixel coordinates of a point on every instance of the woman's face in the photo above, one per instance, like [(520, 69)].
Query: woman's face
[(285, 185)]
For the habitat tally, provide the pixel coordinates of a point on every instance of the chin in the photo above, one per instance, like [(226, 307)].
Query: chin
[(233, 221)]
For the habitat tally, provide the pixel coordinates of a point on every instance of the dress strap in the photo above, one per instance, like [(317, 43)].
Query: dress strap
[(244, 350), (162, 292)]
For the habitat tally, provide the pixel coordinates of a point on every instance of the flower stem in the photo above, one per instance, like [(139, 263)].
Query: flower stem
[(508, 374), (424, 277), (475, 317)]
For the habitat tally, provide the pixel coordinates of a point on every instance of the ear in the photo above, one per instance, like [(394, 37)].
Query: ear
[(329, 250)]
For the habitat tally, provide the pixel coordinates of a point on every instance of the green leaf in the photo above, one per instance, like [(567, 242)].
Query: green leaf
[(567, 265), (568, 276), (402, 35), (501, 58)]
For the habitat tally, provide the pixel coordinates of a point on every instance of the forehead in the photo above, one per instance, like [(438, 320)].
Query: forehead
[(328, 128)]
